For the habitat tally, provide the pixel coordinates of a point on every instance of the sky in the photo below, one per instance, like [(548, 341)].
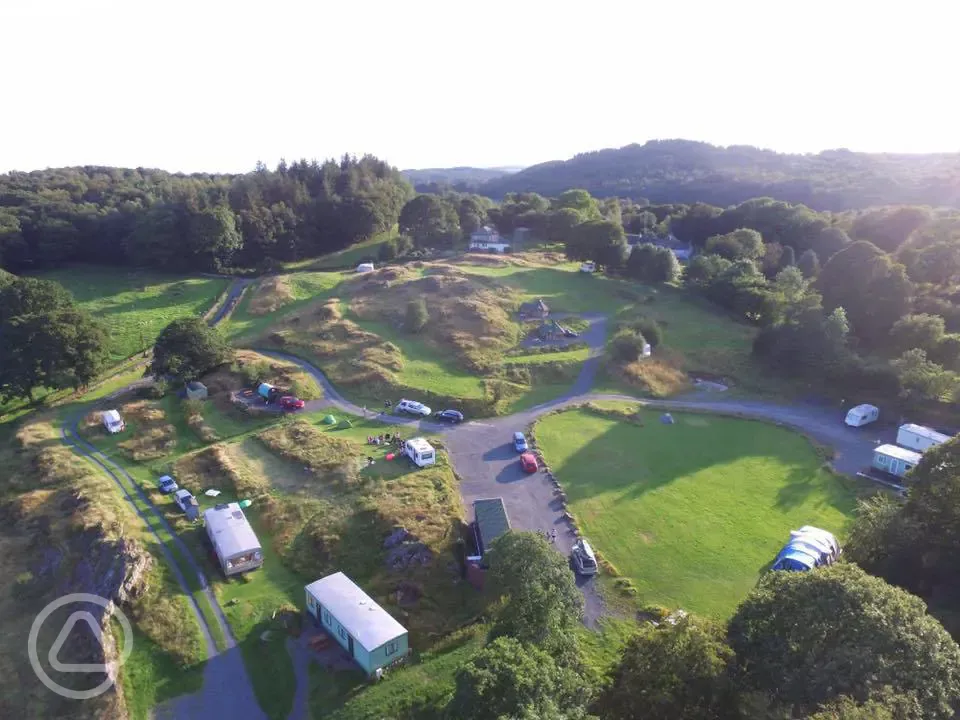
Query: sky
[(210, 86)]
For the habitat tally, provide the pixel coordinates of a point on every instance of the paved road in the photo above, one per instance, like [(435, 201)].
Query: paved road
[(230, 302)]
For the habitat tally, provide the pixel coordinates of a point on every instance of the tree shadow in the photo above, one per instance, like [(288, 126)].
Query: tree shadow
[(512, 473)]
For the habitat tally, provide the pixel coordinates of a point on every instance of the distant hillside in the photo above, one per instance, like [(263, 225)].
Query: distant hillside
[(683, 171), (467, 177)]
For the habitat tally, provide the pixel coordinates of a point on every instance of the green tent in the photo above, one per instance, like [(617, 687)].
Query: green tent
[(245, 503), (345, 423), (329, 420)]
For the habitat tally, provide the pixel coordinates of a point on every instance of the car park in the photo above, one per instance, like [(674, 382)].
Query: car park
[(583, 559), (289, 402), (528, 461), (452, 416), (413, 407), (167, 485), (519, 442)]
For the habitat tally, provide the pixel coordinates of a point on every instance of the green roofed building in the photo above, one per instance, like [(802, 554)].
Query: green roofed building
[(491, 522)]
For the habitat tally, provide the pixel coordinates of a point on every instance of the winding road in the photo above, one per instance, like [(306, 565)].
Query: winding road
[(485, 462)]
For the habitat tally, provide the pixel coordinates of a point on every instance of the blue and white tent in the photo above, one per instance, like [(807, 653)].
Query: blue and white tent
[(809, 547)]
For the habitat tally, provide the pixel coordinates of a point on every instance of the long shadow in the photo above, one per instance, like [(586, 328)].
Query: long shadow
[(501, 452), (513, 473)]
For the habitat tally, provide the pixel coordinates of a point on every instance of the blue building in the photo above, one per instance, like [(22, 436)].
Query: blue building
[(895, 460), (371, 635)]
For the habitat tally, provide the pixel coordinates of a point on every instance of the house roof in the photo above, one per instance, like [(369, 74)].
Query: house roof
[(899, 453), (925, 432), (492, 520), (367, 622), (229, 530)]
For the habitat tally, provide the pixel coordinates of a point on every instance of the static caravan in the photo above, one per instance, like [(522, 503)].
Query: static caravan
[(420, 451), (234, 541), (895, 460), (112, 421), (919, 438), (371, 635), (862, 415)]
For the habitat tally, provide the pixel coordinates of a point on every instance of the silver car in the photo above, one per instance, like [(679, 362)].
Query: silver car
[(584, 561)]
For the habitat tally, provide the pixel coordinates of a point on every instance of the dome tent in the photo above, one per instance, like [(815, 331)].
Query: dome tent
[(329, 420), (808, 548)]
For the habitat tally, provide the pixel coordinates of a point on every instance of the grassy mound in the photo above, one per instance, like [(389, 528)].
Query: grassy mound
[(270, 295), (690, 513)]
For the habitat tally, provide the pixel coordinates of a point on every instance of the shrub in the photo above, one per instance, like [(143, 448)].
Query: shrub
[(417, 315), (627, 345)]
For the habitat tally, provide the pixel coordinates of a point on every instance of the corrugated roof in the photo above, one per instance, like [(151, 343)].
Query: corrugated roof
[(230, 531), (900, 453), (492, 520), (365, 621), (924, 431)]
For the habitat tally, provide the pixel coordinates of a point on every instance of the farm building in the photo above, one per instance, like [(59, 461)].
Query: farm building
[(537, 308), (234, 541), (490, 522), (196, 390), (895, 460), (808, 548), (371, 635), (488, 239), (112, 421), (919, 438)]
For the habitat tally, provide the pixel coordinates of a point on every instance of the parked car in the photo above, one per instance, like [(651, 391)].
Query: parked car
[(583, 559), (528, 461), (519, 442), (167, 485), (413, 407), (453, 416), (289, 402), (188, 503)]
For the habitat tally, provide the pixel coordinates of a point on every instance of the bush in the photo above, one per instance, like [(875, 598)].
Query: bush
[(627, 345), (649, 328), (417, 315)]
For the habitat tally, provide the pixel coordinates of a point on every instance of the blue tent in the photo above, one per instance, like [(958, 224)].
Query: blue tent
[(794, 560), (809, 547)]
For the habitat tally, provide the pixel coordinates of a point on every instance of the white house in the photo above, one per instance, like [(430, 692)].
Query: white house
[(420, 451), (112, 421), (488, 239), (919, 438), (369, 633)]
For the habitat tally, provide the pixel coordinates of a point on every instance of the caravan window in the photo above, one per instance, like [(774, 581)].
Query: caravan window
[(424, 457), (390, 648), (882, 459)]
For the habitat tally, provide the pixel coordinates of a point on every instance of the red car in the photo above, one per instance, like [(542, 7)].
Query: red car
[(528, 461), (289, 402)]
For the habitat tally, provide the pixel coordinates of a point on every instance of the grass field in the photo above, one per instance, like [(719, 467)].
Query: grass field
[(136, 304), (298, 289), (693, 512), (348, 257)]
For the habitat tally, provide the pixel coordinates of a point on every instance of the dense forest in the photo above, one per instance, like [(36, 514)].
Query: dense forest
[(682, 171), (466, 177), (194, 222)]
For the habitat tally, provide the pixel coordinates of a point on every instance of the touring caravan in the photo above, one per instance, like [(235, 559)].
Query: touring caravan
[(233, 540), (862, 415), (420, 451), (112, 421), (919, 438)]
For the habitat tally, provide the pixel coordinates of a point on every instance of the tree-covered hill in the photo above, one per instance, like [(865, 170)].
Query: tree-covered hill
[(683, 171), (461, 178)]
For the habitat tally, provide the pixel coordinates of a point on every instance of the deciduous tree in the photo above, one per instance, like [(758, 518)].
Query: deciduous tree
[(187, 349)]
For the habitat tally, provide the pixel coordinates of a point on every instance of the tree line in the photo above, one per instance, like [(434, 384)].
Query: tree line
[(195, 222), (682, 171)]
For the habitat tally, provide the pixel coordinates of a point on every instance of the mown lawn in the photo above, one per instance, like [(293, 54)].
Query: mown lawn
[(693, 512), (348, 257), (426, 367), (136, 304)]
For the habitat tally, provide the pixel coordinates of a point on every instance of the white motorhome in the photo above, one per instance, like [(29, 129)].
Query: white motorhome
[(920, 438), (862, 415), (420, 451), (112, 421), (234, 541)]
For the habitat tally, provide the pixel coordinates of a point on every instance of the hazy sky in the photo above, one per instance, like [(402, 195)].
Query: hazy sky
[(213, 86)]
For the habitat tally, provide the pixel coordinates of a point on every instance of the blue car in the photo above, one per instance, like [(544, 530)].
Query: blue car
[(167, 485), (452, 416), (519, 442)]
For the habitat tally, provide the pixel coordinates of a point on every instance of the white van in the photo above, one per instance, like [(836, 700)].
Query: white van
[(112, 421), (862, 415), (420, 451)]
